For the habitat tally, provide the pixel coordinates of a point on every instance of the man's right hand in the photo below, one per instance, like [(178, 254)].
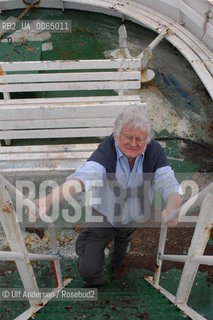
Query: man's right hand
[(65, 191), (43, 204)]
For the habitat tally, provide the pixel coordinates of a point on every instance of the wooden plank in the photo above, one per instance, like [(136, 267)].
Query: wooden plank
[(64, 112), (57, 133), (70, 100), (64, 86), (56, 123), (31, 164), (74, 76), (71, 65), (36, 170), (46, 156), (49, 148)]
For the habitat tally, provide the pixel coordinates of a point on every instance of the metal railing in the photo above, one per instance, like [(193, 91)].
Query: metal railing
[(195, 257), (19, 252), (22, 258)]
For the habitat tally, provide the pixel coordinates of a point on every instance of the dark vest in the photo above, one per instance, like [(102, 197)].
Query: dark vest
[(154, 156)]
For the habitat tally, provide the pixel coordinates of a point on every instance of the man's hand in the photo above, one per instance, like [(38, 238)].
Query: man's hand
[(173, 202), (65, 191), (43, 204)]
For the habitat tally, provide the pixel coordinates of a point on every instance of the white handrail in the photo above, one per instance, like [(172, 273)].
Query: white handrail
[(194, 201), (18, 196), (195, 256), (13, 255), (19, 252), (16, 242)]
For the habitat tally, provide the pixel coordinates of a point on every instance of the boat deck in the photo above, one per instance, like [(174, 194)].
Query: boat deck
[(182, 113), (128, 298)]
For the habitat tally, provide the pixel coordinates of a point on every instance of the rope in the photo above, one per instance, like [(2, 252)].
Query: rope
[(31, 2), (207, 17), (29, 6), (15, 45), (186, 140), (58, 253)]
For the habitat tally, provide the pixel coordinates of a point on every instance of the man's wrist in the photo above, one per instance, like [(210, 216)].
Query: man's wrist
[(173, 201)]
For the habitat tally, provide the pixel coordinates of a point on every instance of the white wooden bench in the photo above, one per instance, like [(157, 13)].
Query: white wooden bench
[(61, 117), (69, 75)]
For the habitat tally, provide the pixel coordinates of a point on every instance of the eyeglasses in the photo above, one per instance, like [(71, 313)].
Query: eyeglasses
[(138, 140)]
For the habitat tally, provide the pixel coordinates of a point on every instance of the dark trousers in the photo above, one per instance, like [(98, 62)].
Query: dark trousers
[(90, 246)]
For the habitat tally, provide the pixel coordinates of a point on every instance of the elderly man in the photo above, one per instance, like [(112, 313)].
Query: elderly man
[(117, 170)]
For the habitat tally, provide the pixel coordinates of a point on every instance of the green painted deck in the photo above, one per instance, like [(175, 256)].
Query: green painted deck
[(129, 298), (182, 114)]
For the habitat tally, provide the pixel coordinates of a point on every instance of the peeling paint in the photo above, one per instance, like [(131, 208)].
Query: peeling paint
[(7, 209), (2, 73), (210, 231)]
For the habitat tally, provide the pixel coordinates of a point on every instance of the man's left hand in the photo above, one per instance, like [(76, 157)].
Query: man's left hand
[(173, 202)]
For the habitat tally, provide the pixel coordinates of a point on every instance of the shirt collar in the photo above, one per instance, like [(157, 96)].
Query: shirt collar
[(120, 154)]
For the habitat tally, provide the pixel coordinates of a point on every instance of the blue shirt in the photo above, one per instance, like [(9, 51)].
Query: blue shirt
[(100, 196)]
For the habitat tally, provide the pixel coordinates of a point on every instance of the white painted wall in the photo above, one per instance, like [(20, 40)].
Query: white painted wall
[(190, 13)]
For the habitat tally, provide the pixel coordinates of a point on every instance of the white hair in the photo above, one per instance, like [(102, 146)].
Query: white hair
[(135, 118)]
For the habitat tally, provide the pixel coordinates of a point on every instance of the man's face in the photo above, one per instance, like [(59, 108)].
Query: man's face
[(132, 142)]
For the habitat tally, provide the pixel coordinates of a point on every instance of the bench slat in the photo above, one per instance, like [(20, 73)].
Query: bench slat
[(19, 161), (47, 156), (63, 112), (58, 123), (71, 65), (36, 166), (70, 100), (74, 76), (66, 86), (55, 133), (37, 169), (83, 147)]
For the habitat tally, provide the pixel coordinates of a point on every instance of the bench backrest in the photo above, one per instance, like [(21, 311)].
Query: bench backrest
[(69, 75), (67, 120)]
